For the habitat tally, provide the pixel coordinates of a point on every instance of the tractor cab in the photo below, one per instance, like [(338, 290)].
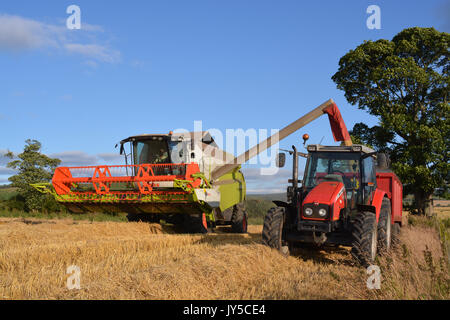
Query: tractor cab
[(350, 166)]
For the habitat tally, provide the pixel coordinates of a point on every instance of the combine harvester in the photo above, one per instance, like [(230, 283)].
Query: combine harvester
[(181, 178)]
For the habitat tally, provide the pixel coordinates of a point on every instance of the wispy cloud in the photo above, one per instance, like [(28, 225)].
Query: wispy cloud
[(20, 34), (75, 158), (258, 183), (81, 158), (94, 51), (111, 157), (6, 171)]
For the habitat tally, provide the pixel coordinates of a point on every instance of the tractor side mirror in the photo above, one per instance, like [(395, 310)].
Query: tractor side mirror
[(280, 160)]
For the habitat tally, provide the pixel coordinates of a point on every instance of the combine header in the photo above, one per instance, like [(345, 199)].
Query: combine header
[(182, 178)]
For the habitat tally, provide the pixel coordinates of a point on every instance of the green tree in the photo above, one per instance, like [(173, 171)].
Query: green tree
[(32, 167), (404, 82)]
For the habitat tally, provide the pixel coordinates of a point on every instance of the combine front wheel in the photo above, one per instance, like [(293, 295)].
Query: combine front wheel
[(196, 223), (133, 217), (239, 220), (364, 245)]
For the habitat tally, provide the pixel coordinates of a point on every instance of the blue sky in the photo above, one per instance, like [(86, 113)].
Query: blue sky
[(154, 66)]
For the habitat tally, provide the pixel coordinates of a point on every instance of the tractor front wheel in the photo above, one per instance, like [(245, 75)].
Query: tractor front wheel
[(272, 233), (364, 244)]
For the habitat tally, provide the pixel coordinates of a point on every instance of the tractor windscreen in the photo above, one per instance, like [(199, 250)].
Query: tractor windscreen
[(337, 166), (151, 151)]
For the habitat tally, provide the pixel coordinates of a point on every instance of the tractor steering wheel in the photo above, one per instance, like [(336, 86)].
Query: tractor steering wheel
[(346, 180), (338, 171)]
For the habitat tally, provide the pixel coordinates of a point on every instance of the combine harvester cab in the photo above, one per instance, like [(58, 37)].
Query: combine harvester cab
[(167, 179)]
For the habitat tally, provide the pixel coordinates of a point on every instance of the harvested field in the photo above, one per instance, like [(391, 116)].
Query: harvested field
[(148, 261)]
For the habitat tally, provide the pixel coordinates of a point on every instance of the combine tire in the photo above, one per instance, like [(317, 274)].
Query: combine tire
[(195, 224), (137, 217), (272, 233), (239, 220), (384, 226), (364, 244), (133, 217)]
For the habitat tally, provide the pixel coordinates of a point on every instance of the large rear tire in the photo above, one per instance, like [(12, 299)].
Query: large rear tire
[(239, 220), (364, 244), (272, 233), (385, 227), (396, 229)]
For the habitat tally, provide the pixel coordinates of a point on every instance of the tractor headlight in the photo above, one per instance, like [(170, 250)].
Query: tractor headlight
[(308, 212), (322, 212)]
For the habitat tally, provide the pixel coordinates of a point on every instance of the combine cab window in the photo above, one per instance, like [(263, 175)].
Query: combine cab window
[(177, 151), (334, 166), (151, 151)]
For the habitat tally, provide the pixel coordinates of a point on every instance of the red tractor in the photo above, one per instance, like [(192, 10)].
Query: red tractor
[(348, 196)]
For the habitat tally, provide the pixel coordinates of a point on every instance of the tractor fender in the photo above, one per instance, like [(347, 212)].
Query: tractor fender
[(375, 206)]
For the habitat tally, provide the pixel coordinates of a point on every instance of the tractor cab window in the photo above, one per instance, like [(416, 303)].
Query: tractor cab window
[(344, 167), (151, 151)]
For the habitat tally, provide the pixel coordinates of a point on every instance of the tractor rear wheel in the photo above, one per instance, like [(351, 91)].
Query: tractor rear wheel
[(364, 244), (396, 234), (239, 219), (272, 233), (384, 226)]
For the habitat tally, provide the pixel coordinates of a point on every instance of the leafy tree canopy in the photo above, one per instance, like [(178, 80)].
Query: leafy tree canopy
[(404, 82), (32, 167)]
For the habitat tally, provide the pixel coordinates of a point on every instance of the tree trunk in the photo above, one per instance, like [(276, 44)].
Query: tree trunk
[(424, 203)]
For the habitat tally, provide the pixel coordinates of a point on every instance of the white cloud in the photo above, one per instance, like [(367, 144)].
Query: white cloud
[(75, 158), (20, 34), (265, 190), (254, 174), (17, 33), (4, 181), (111, 157), (258, 183), (94, 51), (81, 158), (6, 171)]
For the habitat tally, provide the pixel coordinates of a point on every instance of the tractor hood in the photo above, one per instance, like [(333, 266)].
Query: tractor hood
[(326, 192)]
